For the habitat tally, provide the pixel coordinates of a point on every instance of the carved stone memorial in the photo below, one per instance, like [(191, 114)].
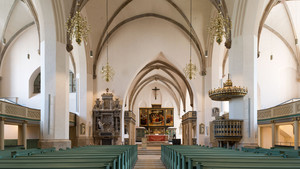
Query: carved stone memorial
[(106, 119)]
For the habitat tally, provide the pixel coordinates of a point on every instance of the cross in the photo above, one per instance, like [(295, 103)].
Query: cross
[(155, 90)]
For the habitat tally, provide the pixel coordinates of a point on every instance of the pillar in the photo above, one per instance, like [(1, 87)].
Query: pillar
[(54, 124), (243, 67), (273, 133), (296, 133), (190, 134), (259, 136), (24, 134), (20, 134), (1, 133)]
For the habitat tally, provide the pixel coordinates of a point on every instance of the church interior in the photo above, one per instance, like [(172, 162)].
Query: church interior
[(197, 76)]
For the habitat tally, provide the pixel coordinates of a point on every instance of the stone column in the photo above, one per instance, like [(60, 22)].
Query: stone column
[(1, 133), (24, 133), (190, 134), (54, 123), (259, 136), (183, 134), (243, 67), (273, 133), (20, 134), (296, 133)]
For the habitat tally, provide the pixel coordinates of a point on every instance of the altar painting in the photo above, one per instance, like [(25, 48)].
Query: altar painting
[(156, 118), (143, 117), (169, 118)]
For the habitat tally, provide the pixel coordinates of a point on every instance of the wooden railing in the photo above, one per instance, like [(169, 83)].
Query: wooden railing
[(227, 129), (22, 112), (190, 114), (279, 111)]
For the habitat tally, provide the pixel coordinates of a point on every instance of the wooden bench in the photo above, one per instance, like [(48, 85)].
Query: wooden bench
[(106, 157), (189, 157)]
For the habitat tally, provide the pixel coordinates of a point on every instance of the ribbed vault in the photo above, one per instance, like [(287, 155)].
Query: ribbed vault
[(170, 76)]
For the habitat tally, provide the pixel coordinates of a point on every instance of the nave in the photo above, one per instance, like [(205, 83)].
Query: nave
[(154, 157)]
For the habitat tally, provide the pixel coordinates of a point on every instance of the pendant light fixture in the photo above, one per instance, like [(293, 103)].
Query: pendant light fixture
[(107, 71), (77, 26), (220, 26), (190, 69)]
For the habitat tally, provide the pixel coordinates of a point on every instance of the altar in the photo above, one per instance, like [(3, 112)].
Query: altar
[(157, 138)]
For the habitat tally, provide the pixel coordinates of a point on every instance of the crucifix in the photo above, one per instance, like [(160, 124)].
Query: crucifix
[(155, 90)]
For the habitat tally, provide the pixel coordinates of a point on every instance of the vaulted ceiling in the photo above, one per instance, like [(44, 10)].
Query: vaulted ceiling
[(15, 17), (282, 18), (122, 12)]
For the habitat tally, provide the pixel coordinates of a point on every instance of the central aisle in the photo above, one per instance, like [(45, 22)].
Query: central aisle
[(149, 158)]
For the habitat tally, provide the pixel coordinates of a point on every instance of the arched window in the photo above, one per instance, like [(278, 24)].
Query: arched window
[(37, 84), (72, 82)]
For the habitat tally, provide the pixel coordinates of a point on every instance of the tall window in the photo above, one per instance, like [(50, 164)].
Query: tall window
[(37, 84), (72, 82)]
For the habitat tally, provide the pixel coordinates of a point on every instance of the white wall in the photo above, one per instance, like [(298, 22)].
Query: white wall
[(10, 131), (17, 68), (33, 132), (266, 137), (277, 78), (135, 45)]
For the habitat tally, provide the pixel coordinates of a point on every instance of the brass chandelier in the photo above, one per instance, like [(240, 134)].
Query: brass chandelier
[(227, 92), (107, 71), (190, 69), (220, 27), (77, 26)]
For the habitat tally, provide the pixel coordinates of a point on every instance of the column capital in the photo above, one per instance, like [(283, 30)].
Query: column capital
[(2, 118), (25, 122), (272, 121)]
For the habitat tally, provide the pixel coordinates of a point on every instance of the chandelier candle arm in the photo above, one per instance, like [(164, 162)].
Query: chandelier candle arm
[(107, 71), (190, 70), (77, 27), (220, 27), (227, 92)]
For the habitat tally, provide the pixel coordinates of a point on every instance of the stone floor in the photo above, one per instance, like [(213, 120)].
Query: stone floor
[(149, 158)]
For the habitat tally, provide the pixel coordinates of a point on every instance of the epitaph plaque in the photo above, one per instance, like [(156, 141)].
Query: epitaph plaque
[(106, 119)]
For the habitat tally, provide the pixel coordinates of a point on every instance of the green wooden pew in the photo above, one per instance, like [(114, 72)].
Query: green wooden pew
[(189, 157), (108, 157)]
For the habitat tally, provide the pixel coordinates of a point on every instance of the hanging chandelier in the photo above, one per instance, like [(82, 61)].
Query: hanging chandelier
[(77, 26), (107, 71), (220, 27), (190, 69), (227, 92)]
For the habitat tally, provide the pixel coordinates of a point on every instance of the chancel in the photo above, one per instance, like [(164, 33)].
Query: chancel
[(117, 84)]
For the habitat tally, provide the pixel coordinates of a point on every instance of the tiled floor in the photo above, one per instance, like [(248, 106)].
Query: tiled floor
[(151, 161)]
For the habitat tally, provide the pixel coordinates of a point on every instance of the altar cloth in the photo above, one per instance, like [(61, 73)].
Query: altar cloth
[(157, 138)]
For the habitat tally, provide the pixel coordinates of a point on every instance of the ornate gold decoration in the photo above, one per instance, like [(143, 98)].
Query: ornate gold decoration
[(227, 92), (107, 71), (219, 27), (190, 69), (77, 27)]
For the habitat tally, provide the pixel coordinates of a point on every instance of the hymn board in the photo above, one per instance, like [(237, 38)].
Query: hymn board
[(156, 119)]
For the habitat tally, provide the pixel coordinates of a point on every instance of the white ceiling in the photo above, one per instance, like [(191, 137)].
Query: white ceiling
[(14, 15)]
